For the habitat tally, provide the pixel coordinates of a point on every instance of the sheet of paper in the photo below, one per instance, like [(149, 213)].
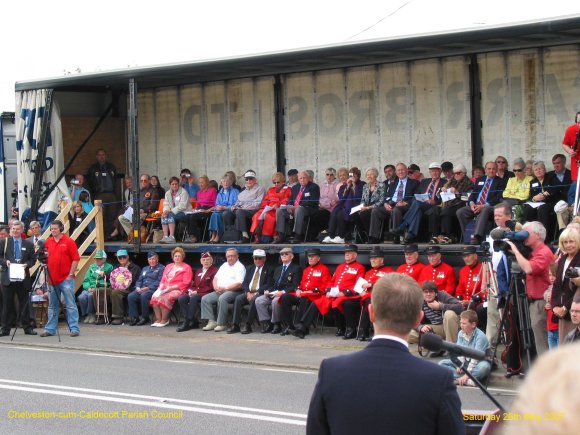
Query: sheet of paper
[(358, 287), (283, 206), (422, 197), (128, 213), (355, 209), (16, 272), (447, 196), (534, 204), (334, 291)]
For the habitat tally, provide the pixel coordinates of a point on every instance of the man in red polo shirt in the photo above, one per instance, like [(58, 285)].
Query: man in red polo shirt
[(63, 258), (570, 145), (537, 269), (436, 270)]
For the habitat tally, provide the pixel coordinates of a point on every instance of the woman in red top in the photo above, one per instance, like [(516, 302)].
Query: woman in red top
[(264, 222), (176, 280), (206, 196)]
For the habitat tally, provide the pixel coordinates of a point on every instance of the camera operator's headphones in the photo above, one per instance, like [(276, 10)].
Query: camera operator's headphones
[(59, 223)]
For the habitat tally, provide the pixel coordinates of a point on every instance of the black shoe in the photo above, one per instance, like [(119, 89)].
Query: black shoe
[(398, 232), (296, 239), (267, 327), (339, 332), (245, 239), (396, 240), (363, 335), (277, 329), (143, 321), (233, 329), (299, 333), (349, 334), (4, 333), (475, 240), (194, 325), (30, 331), (185, 326), (246, 329), (100, 322), (278, 240), (288, 330), (134, 321), (436, 354)]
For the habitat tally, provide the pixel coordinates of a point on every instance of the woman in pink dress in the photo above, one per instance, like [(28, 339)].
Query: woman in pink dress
[(264, 223), (176, 279), (206, 196)]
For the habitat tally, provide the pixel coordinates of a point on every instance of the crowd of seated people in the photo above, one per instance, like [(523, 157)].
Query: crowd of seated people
[(399, 205)]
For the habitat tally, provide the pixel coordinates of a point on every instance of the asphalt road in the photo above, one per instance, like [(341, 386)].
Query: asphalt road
[(64, 390)]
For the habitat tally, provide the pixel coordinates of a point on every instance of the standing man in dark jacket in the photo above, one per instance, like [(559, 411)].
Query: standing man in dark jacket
[(101, 177), (422, 397), (16, 254)]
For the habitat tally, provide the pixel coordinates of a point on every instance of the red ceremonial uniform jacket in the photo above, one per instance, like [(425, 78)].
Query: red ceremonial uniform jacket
[(315, 277), (346, 275), (469, 281), (570, 140), (443, 275), (414, 270), (373, 275)]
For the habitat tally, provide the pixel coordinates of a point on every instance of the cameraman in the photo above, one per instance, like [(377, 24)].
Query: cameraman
[(77, 186), (63, 258), (536, 268)]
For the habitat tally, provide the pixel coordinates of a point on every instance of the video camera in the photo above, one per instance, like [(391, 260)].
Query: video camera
[(501, 236), (41, 252)]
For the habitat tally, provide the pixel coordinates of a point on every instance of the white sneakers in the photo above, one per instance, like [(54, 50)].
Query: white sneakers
[(211, 325), (337, 240), (220, 328), (167, 239)]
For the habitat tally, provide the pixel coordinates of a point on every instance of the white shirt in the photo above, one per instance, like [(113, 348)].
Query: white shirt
[(392, 337), (228, 275)]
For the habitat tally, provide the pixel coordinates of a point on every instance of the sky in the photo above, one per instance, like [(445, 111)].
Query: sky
[(50, 39)]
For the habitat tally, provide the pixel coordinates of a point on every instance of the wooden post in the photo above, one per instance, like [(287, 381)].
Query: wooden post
[(100, 239)]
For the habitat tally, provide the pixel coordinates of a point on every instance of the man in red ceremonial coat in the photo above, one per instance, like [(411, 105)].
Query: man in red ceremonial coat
[(570, 145), (352, 307), (436, 270), (315, 280), (340, 289), (412, 267)]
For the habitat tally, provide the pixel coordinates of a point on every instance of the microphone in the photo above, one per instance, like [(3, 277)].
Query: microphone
[(435, 343), (498, 233)]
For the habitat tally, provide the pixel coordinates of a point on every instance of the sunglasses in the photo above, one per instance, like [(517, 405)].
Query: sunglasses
[(284, 254), (122, 256), (518, 170), (277, 182), (259, 258), (458, 173), (249, 178)]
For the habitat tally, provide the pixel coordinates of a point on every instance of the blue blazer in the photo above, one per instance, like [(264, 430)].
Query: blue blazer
[(383, 389), (411, 188), (310, 197), (495, 190)]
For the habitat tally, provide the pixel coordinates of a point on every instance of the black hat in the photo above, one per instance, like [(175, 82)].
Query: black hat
[(293, 172), (351, 248), (469, 250), (414, 167), (313, 251), (376, 252), (411, 247), (433, 250)]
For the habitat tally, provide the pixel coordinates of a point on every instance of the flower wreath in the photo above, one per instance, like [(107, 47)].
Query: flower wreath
[(121, 278)]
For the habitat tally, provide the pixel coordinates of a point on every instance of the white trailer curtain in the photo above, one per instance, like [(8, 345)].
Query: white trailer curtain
[(30, 116)]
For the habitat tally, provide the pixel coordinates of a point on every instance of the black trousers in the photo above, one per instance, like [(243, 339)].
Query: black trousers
[(352, 311), (9, 313), (188, 306), (288, 301), (239, 303), (195, 223)]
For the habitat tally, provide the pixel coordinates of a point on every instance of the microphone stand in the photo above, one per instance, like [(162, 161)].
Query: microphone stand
[(457, 363)]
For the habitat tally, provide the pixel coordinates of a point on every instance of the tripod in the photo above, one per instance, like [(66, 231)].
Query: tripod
[(516, 307)]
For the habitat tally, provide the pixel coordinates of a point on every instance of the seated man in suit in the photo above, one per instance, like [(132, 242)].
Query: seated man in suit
[(259, 278), (487, 193), (440, 315), (303, 202), (398, 198), (286, 279), (412, 221), (422, 398)]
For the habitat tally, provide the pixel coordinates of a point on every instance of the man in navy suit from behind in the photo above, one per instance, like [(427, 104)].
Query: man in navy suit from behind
[(383, 388)]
